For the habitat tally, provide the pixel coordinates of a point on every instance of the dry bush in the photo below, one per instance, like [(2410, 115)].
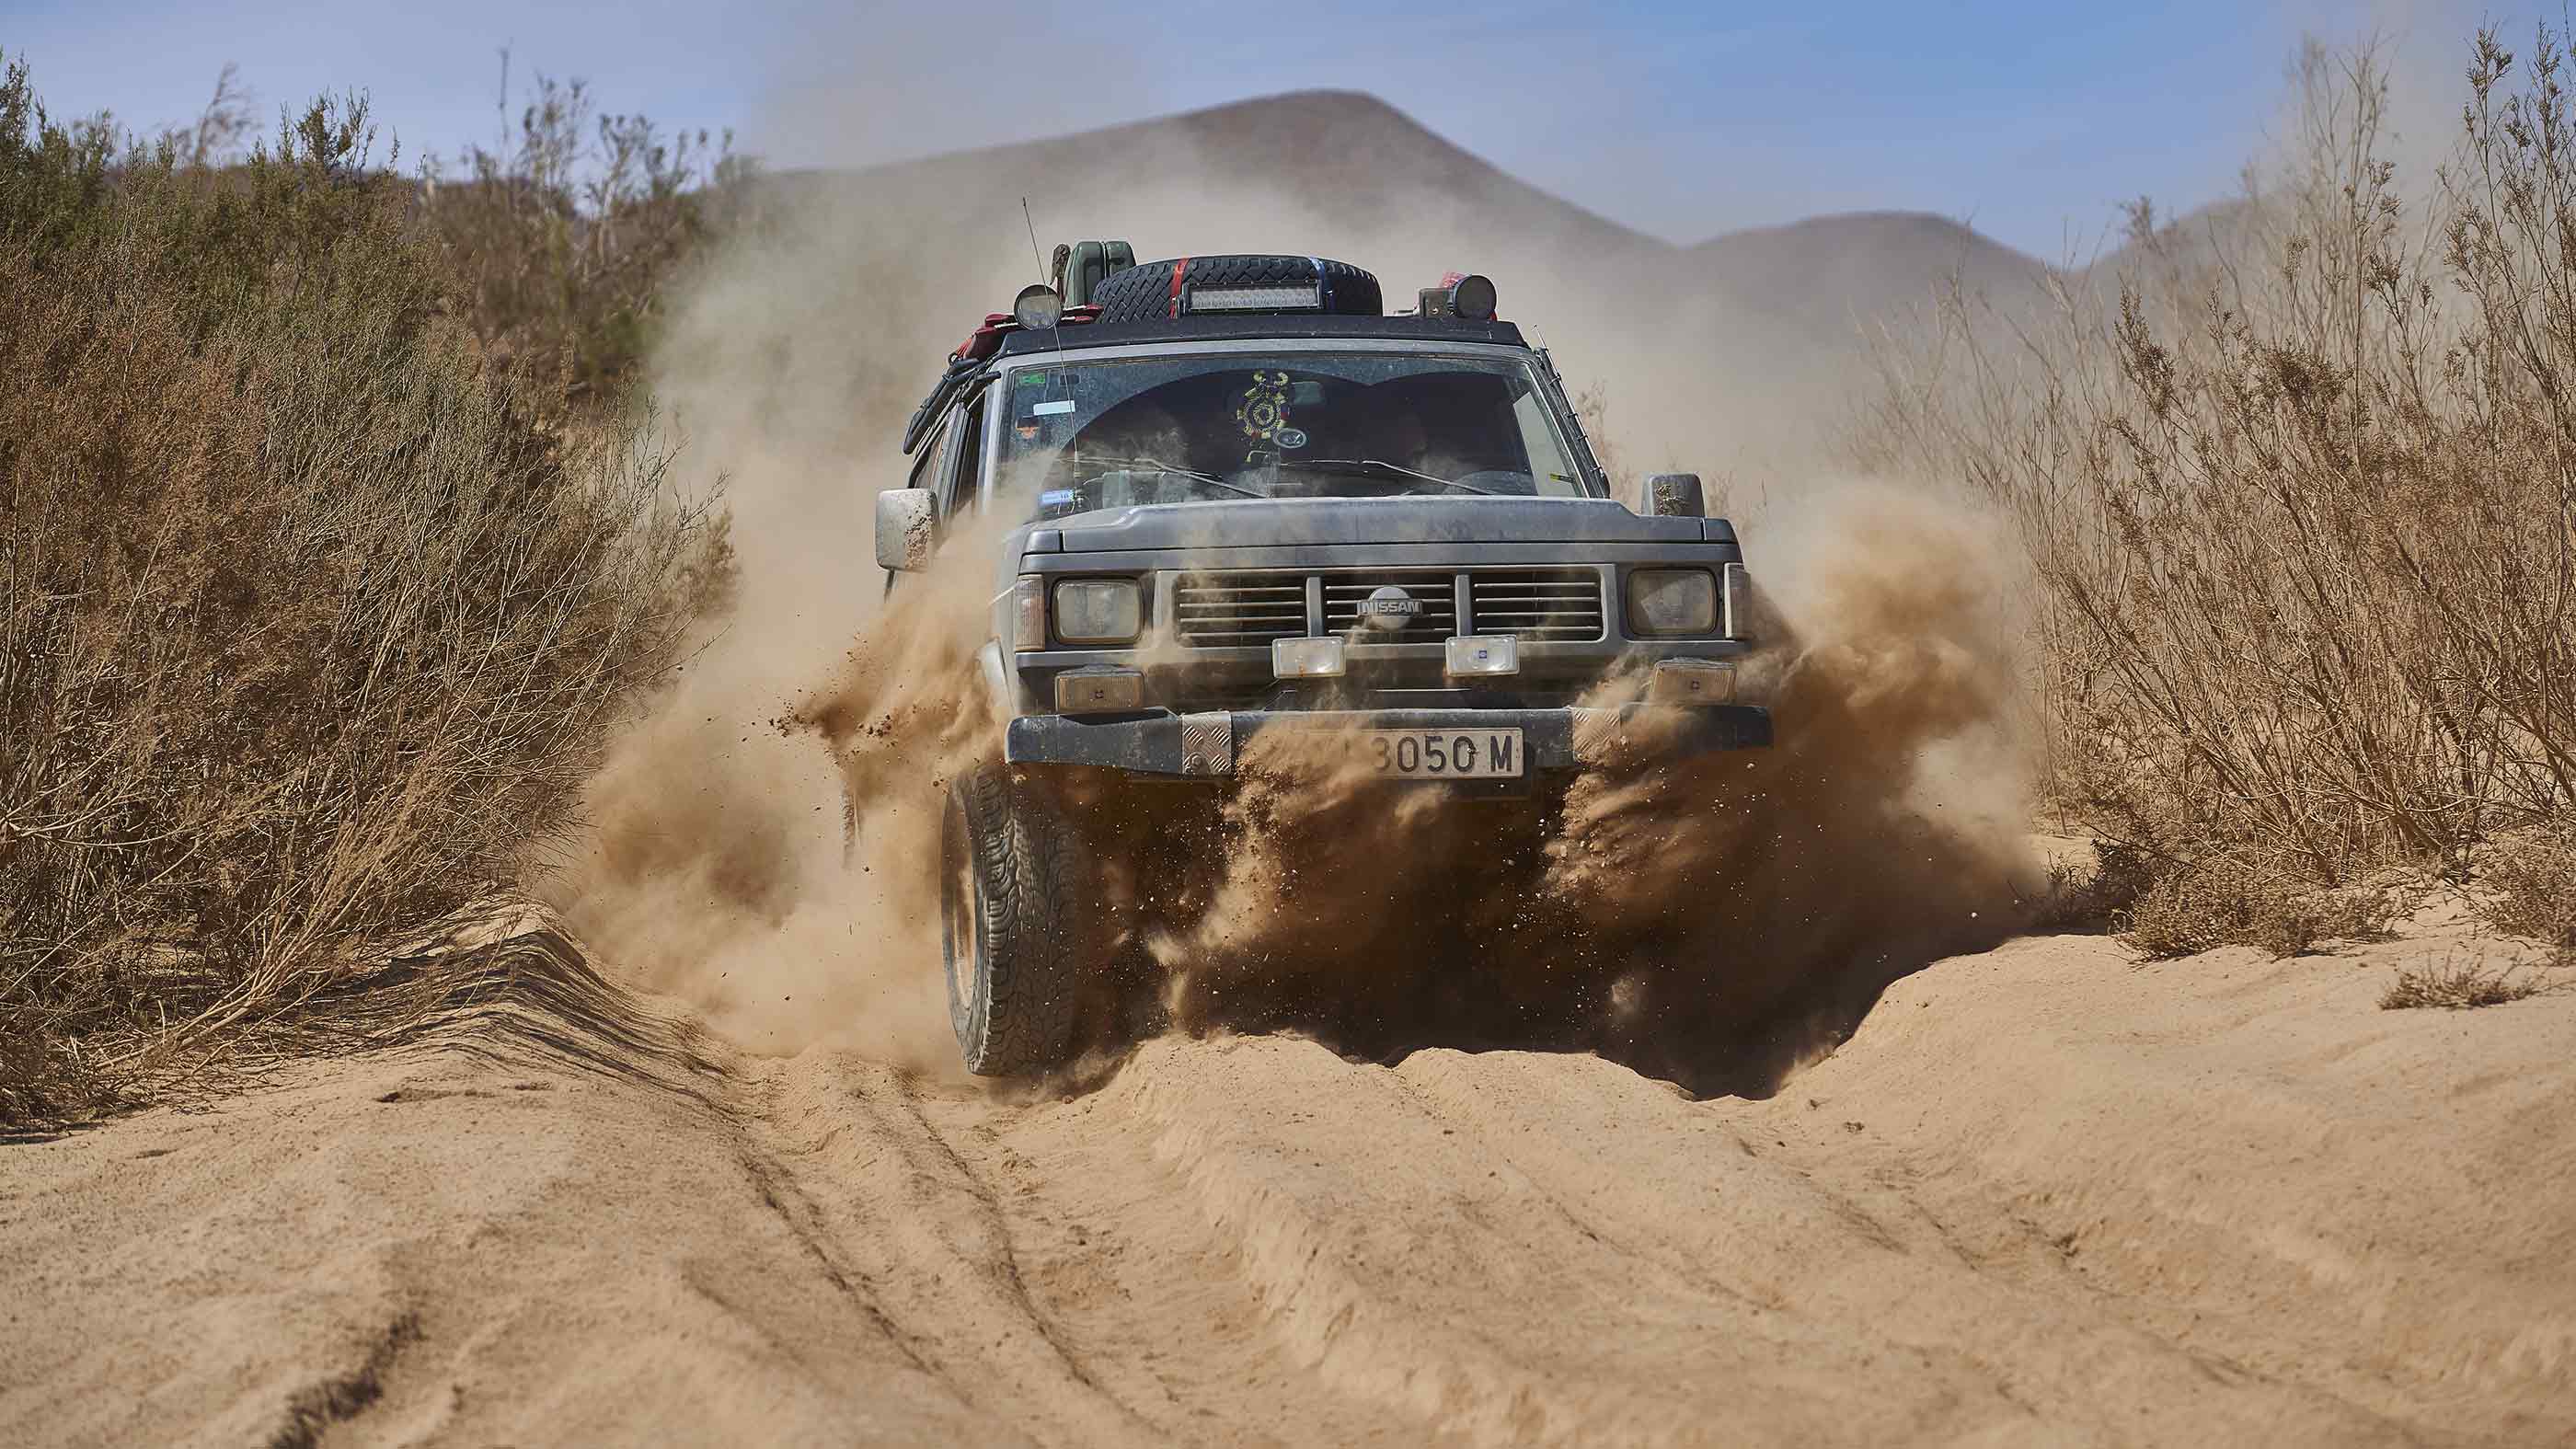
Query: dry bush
[(306, 629), (2299, 483), (2182, 912), (565, 238), (2532, 883), (2079, 897), (2457, 987)]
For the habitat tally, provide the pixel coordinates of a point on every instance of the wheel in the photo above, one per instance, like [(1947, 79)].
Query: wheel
[(1141, 293), (1015, 934)]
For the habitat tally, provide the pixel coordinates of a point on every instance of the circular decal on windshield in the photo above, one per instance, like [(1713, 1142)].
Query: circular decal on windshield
[(1290, 437)]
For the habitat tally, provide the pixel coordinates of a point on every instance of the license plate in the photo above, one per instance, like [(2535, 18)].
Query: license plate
[(1469, 754)]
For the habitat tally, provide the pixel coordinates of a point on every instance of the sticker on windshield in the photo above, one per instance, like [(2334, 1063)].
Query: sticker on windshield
[(1289, 437), (1051, 409)]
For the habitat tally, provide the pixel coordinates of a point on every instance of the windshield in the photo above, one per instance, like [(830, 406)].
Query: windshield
[(1106, 432)]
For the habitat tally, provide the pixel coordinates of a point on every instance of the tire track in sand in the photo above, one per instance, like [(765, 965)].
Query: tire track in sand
[(1071, 1294)]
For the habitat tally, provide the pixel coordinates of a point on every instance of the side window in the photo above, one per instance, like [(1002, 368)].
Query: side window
[(970, 457), (925, 463)]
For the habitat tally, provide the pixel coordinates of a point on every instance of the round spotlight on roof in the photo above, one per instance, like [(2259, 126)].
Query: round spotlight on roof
[(1472, 297), (1040, 305)]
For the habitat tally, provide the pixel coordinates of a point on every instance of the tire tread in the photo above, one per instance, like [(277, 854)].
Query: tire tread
[(1019, 1018)]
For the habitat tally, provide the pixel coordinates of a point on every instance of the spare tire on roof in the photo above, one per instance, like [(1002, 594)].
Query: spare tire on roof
[(1163, 289)]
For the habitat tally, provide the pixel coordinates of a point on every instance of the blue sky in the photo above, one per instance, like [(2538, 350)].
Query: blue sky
[(2030, 120)]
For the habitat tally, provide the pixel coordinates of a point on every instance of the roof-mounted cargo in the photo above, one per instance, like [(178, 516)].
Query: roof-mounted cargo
[(1238, 285)]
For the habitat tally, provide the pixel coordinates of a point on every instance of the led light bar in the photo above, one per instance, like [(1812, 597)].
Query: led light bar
[(1297, 297)]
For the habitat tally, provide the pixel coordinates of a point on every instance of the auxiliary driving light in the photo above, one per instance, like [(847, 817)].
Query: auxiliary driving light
[(1306, 658), (1472, 297), (1037, 306), (1099, 690), (1460, 294), (1477, 654), (1691, 681)]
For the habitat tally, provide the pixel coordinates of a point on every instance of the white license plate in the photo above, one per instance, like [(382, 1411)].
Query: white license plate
[(1468, 754)]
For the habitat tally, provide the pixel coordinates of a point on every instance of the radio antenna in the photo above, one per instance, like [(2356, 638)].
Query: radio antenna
[(1055, 330), (1035, 253)]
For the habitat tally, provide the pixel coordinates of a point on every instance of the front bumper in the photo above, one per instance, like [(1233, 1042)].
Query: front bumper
[(1206, 745)]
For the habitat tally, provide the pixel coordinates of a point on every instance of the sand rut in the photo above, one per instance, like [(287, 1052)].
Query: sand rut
[(2041, 1197)]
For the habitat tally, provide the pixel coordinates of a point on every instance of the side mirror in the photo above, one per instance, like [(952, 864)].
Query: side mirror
[(1675, 495), (907, 520)]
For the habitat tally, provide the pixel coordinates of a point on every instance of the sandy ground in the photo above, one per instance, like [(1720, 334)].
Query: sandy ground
[(2043, 1196)]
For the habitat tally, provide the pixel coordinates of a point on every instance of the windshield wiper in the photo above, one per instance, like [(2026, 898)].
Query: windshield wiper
[(1160, 466), (1375, 465)]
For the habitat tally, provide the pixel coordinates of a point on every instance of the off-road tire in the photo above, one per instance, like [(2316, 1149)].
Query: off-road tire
[(1143, 292), (1015, 925)]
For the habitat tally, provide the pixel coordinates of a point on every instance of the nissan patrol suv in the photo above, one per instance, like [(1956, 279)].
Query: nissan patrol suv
[(1240, 498)]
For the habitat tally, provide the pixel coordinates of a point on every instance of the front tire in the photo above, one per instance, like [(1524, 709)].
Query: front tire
[(1014, 941)]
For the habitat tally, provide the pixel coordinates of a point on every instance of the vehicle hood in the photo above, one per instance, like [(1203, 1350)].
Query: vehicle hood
[(1250, 523)]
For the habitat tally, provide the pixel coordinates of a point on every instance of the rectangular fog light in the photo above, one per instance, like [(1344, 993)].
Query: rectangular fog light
[(1691, 681), (1484, 654), (1099, 691), (1306, 658)]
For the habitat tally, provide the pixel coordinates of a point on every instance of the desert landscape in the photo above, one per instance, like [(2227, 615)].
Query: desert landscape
[(471, 964)]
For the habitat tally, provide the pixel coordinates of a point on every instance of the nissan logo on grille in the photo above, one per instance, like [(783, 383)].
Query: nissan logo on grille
[(1389, 608)]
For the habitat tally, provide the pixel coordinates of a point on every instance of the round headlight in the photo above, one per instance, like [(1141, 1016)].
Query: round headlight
[(1038, 305), (1098, 611), (1472, 297), (1672, 601)]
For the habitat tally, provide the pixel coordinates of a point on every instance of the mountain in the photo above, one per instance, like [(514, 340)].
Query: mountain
[(1857, 266), (1753, 334)]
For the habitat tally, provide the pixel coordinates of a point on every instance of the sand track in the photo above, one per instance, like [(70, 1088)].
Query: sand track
[(2043, 1196)]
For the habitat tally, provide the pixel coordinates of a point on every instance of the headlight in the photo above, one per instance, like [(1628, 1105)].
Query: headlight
[(1672, 601), (1098, 611)]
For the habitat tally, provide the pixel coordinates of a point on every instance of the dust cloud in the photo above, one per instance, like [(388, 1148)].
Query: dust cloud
[(1713, 921), (1657, 912)]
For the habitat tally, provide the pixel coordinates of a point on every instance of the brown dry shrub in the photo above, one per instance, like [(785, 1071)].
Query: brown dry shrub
[(2187, 911), (2456, 986), (565, 241), (2532, 878), (306, 629), (2299, 486), (2076, 896)]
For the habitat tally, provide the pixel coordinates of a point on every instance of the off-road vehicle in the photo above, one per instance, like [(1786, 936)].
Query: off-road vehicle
[(1241, 498)]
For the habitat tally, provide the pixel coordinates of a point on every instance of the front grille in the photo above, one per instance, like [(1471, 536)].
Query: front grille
[(1538, 603), (1436, 590), (1238, 610), (1249, 608)]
